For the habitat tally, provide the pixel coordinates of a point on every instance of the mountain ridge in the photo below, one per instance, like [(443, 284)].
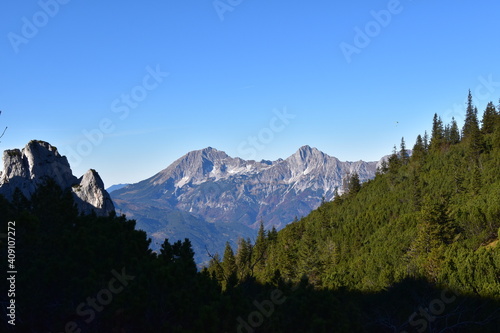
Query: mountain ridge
[(212, 187)]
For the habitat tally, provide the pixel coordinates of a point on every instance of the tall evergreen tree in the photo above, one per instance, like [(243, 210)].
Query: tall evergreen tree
[(437, 135), (216, 269), (476, 139), (471, 124), (309, 262), (229, 260), (229, 267), (403, 152), (426, 140), (259, 254), (454, 137), (434, 230), (394, 161), (354, 184), (490, 118), (418, 149), (244, 258), (446, 133)]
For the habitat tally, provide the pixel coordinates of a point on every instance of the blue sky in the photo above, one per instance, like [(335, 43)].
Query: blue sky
[(127, 87)]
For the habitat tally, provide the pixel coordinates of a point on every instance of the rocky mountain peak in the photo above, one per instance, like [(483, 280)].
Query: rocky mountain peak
[(305, 154), (38, 161), (211, 196), (90, 190), (307, 159)]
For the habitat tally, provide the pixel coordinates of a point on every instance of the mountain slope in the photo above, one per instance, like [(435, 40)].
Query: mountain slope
[(209, 187), (432, 216)]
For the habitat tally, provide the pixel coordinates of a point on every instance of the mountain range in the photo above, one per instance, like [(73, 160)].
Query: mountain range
[(206, 195), (210, 197)]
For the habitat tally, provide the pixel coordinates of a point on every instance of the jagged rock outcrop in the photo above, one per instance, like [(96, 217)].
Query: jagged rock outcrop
[(91, 195), (30, 167)]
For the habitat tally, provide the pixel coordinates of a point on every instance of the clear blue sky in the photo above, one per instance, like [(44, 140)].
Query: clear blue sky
[(68, 69)]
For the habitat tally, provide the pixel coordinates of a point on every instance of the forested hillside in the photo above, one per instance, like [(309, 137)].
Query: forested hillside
[(433, 216), (413, 250)]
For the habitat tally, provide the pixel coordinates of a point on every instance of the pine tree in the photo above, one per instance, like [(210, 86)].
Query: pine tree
[(354, 184), (471, 134), (471, 123), (446, 134), (259, 254), (490, 118), (178, 257), (309, 261), (273, 235), (426, 140), (403, 152), (185, 257), (244, 258), (476, 139), (454, 132), (418, 150), (229, 260), (229, 267), (394, 161), (216, 269), (437, 135), (166, 252), (434, 230)]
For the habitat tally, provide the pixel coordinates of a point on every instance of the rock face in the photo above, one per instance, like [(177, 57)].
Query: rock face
[(91, 195), (210, 184), (209, 188), (30, 167)]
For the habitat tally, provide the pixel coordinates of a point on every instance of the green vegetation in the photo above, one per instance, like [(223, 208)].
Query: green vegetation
[(415, 249), (13, 152)]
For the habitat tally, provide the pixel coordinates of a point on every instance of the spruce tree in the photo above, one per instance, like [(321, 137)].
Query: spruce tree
[(434, 230), (454, 132), (354, 184), (418, 149), (216, 269), (403, 152), (471, 123), (447, 134), (489, 120), (229, 267), (244, 258), (166, 252), (437, 135), (394, 161), (259, 254), (426, 140), (476, 139), (309, 263), (229, 260)]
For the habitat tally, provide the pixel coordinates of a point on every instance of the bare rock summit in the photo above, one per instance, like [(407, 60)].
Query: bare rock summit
[(38, 161)]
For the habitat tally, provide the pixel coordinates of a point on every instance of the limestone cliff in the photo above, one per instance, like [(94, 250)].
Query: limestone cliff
[(38, 161)]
